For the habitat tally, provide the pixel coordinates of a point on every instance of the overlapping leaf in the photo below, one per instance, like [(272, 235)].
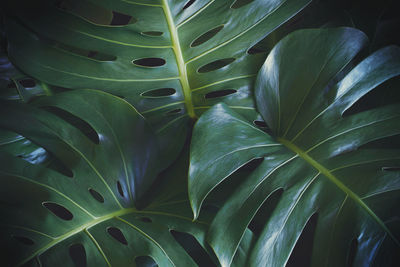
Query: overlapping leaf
[(314, 161), (85, 215)]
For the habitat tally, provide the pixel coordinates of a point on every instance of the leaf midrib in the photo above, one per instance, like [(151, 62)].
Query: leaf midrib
[(302, 154)]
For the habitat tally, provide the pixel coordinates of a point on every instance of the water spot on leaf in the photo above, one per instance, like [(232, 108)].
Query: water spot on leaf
[(159, 92), (117, 235), (77, 253), (145, 261), (206, 36), (188, 4), (24, 240), (150, 62), (215, 65), (120, 190), (301, 254), (220, 93), (27, 83), (240, 3), (58, 210), (193, 248), (152, 33), (96, 195)]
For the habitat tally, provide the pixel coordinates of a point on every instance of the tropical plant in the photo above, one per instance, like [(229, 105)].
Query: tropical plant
[(313, 156), (96, 126)]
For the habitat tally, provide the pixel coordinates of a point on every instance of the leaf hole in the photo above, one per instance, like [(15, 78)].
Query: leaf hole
[(11, 85), (150, 62), (193, 248), (152, 33), (120, 19), (206, 36), (159, 92), (188, 4), (120, 190), (58, 210), (145, 219), (96, 195), (264, 212), (252, 165), (240, 3), (215, 65), (352, 252), (24, 240), (75, 121), (77, 253), (220, 93), (258, 48), (174, 111), (27, 83), (117, 235), (260, 124), (302, 251), (145, 261), (391, 169)]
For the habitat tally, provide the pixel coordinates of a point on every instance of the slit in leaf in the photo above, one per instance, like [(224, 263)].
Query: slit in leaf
[(174, 111), (352, 252), (159, 92), (258, 48), (150, 62), (220, 93), (117, 235), (188, 4), (240, 3), (77, 253), (260, 124), (120, 190), (27, 83), (73, 120), (193, 248), (58, 210), (145, 261), (152, 33), (301, 254), (206, 36), (264, 212), (391, 169), (24, 240), (96, 195), (215, 65)]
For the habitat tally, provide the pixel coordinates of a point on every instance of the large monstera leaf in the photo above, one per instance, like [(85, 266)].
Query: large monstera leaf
[(172, 59), (317, 156), (86, 215)]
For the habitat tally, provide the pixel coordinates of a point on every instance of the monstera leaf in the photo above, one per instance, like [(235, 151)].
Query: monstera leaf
[(85, 214), (172, 59), (317, 159)]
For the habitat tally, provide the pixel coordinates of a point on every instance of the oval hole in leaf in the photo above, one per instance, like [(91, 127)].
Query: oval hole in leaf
[(58, 210), (206, 36), (77, 253), (302, 251), (264, 212), (193, 248), (152, 33), (120, 19), (117, 235), (188, 4), (352, 252), (96, 195), (120, 190), (27, 83), (240, 3), (215, 65), (260, 124), (150, 62), (75, 121), (159, 92), (24, 240), (145, 261), (145, 219), (220, 93)]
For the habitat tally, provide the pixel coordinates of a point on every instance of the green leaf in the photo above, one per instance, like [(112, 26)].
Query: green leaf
[(86, 214), (165, 57), (313, 151)]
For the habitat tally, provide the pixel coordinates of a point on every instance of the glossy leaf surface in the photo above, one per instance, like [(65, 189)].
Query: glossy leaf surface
[(314, 156), (85, 215)]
